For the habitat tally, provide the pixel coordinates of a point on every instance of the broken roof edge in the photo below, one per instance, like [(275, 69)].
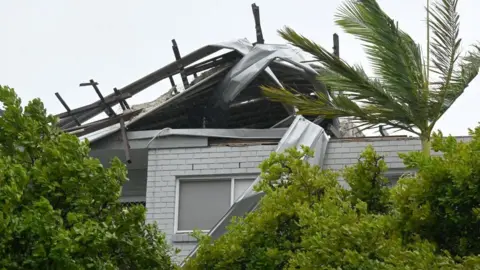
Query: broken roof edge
[(301, 132), (243, 133), (241, 46), (109, 130)]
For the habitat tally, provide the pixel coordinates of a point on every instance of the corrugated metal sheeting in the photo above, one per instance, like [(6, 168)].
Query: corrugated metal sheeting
[(301, 132)]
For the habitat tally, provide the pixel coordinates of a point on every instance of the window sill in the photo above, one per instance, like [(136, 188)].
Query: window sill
[(183, 238)]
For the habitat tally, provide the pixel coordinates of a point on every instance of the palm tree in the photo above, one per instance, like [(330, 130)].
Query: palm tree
[(407, 92)]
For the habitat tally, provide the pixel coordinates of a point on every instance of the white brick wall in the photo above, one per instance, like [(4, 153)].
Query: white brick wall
[(165, 165), (345, 152)]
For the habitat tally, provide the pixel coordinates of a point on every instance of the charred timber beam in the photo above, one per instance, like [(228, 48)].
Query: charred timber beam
[(108, 110), (210, 63), (126, 145), (172, 82), (258, 27), (383, 131), (97, 125), (123, 102), (69, 112), (111, 100), (334, 128), (123, 129), (176, 52), (89, 111), (336, 45)]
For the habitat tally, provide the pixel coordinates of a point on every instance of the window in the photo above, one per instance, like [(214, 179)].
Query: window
[(393, 175), (202, 202), (128, 204)]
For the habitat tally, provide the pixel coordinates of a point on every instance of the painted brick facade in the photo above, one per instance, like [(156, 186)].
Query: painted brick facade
[(165, 165), (344, 152)]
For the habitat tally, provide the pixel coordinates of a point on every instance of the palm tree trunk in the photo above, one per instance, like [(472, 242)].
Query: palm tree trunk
[(426, 146), (428, 44)]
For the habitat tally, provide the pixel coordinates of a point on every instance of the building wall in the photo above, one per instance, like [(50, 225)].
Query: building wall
[(134, 190), (166, 165), (345, 152)]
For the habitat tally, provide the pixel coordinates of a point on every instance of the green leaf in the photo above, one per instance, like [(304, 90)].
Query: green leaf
[(399, 93), (59, 208)]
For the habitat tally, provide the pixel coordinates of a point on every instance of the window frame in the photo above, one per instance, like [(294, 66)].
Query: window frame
[(394, 175), (232, 178)]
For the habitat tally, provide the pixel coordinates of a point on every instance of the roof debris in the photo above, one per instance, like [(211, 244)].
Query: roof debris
[(219, 92)]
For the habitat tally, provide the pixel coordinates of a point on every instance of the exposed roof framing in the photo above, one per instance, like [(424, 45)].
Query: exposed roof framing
[(89, 111), (224, 92)]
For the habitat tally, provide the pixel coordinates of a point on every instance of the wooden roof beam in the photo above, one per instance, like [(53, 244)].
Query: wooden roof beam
[(69, 112), (258, 26), (176, 52), (108, 110)]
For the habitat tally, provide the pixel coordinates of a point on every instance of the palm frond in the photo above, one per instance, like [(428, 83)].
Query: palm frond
[(445, 48), (340, 105), (468, 69), (341, 77), (445, 45), (396, 59), (402, 95)]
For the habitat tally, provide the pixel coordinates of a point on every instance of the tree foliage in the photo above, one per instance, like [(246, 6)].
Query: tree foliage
[(368, 182), (306, 220), (401, 93), (442, 203), (59, 208)]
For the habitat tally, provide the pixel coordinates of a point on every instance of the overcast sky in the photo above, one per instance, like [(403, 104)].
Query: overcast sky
[(52, 46)]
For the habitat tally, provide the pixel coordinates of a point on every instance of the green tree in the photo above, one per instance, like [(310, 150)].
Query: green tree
[(59, 208), (442, 203), (306, 220), (402, 93), (368, 182)]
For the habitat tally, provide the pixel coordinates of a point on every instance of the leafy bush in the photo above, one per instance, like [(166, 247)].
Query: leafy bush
[(306, 220), (59, 207), (367, 181), (442, 203)]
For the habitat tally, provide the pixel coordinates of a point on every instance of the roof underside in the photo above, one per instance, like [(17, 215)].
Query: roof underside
[(223, 92), (194, 109)]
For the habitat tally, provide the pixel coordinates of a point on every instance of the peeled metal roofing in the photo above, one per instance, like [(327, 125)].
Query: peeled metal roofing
[(255, 61), (301, 132), (274, 133)]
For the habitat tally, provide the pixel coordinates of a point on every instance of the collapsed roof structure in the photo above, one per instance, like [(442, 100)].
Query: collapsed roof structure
[(218, 96), (216, 92)]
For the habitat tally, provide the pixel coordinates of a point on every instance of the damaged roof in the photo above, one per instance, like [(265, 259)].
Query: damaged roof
[(224, 94), (216, 92)]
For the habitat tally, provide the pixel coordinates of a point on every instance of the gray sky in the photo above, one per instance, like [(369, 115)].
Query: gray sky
[(52, 46)]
